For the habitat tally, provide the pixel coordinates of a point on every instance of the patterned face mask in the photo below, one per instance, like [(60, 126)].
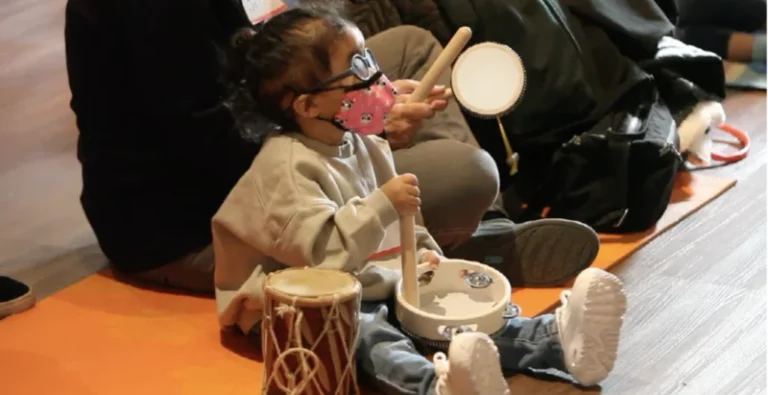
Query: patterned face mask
[(364, 111)]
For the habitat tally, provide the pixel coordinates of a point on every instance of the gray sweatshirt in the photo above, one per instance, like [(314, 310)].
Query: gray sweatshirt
[(305, 203)]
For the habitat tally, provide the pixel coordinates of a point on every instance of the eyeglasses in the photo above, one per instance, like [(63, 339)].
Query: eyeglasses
[(363, 66)]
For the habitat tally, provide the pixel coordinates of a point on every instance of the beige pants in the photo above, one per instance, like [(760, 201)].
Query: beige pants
[(459, 182)]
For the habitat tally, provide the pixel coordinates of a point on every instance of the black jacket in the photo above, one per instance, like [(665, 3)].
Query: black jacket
[(591, 65), (158, 154), (574, 78)]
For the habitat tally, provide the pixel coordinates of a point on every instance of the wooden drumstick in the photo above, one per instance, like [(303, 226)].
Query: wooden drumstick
[(443, 61), (407, 223)]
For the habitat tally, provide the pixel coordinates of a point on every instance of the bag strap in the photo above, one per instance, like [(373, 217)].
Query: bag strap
[(619, 154)]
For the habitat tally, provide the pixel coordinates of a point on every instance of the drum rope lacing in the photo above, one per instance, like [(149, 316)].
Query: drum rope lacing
[(303, 353)]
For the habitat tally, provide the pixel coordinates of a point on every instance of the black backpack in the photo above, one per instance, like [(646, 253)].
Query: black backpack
[(617, 177), (595, 134)]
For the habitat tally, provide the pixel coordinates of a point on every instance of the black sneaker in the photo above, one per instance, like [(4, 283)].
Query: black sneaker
[(541, 253), (15, 297)]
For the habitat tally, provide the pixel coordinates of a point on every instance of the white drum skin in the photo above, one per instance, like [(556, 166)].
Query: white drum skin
[(488, 79), (448, 300)]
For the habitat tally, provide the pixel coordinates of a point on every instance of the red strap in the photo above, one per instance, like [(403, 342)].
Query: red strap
[(383, 253), (743, 138)]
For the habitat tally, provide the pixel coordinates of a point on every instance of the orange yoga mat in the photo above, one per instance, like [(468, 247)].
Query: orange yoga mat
[(692, 191), (103, 337)]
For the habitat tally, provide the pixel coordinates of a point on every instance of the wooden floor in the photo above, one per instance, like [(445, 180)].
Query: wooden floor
[(697, 316), (43, 225)]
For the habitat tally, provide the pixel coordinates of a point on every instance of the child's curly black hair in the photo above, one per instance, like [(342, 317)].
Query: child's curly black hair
[(267, 64)]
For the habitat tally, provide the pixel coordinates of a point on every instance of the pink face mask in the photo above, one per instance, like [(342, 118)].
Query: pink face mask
[(364, 111)]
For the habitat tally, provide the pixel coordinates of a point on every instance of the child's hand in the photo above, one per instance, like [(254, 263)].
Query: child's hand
[(406, 119), (432, 257), (403, 192)]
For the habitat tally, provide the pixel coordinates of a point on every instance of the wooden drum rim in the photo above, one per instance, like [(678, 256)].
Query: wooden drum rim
[(342, 296)]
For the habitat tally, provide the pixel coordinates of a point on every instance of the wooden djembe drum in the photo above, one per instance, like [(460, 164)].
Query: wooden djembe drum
[(309, 332)]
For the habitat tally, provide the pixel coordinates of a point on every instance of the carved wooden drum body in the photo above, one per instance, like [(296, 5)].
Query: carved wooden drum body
[(309, 332)]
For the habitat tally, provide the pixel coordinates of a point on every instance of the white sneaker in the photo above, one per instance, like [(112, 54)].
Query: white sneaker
[(589, 322), (473, 368)]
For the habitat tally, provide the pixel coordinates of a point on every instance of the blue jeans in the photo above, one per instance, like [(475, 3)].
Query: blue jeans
[(388, 357), (709, 24)]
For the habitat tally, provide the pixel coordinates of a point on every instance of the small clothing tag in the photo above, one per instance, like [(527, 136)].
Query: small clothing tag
[(260, 10)]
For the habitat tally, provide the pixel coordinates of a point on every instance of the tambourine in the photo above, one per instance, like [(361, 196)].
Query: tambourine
[(488, 81)]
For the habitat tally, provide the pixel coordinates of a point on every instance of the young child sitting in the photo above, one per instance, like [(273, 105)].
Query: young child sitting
[(326, 194)]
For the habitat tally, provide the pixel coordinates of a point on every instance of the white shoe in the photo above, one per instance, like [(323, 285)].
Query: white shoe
[(589, 322), (473, 368)]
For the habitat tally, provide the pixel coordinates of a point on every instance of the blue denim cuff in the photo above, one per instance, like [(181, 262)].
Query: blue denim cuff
[(758, 48)]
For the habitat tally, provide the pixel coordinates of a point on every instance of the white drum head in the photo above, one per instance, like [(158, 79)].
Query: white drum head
[(488, 79)]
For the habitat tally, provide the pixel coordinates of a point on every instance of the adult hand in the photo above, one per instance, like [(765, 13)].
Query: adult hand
[(407, 118)]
